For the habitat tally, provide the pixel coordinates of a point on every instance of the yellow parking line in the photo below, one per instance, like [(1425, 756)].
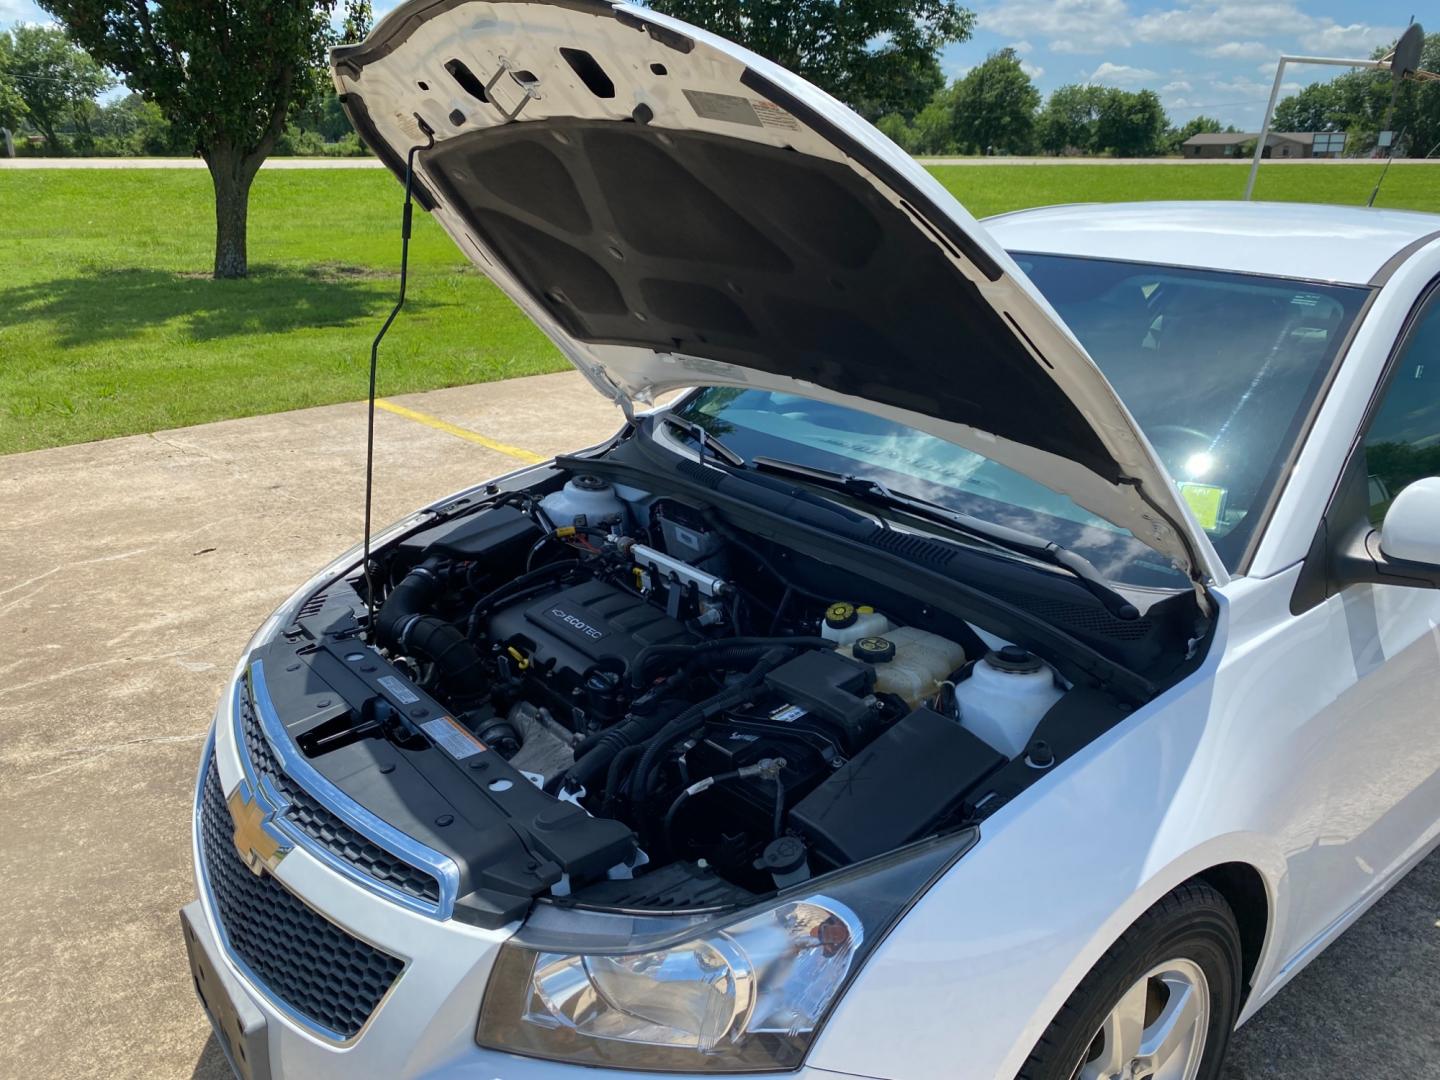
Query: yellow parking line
[(459, 432)]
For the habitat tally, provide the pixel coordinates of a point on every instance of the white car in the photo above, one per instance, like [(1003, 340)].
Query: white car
[(999, 666)]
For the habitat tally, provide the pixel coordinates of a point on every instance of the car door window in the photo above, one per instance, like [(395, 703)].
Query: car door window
[(1402, 444)]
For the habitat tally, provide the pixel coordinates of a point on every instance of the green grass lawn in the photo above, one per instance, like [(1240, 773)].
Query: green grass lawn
[(110, 325)]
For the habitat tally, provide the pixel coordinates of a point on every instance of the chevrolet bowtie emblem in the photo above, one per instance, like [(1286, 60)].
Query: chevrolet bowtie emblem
[(259, 845)]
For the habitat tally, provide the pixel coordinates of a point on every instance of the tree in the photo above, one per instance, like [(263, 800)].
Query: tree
[(227, 76), (1067, 123), (12, 105), (933, 129), (1364, 105), (893, 127), (1315, 108), (57, 80), (877, 57), (133, 126), (1359, 102), (1200, 125), (994, 106), (1130, 124)]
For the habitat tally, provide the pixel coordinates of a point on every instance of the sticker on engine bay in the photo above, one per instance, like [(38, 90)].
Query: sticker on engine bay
[(452, 738), (788, 714), (398, 690)]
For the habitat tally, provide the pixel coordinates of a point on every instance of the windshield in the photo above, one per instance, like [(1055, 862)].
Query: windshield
[(1219, 369)]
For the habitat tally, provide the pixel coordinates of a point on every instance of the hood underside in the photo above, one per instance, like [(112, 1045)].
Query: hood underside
[(675, 211)]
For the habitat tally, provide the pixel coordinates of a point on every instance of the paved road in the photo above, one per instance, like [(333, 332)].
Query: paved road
[(134, 571)]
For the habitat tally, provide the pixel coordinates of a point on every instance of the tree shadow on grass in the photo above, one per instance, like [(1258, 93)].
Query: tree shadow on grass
[(111, 305)]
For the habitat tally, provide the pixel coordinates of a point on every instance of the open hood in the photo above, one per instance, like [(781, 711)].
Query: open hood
[(674, 210)]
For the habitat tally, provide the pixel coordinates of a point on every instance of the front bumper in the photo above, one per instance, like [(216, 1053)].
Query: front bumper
[(424, 1022)]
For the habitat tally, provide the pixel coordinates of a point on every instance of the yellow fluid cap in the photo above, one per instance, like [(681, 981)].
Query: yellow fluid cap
[(865, 609), (840, 615)]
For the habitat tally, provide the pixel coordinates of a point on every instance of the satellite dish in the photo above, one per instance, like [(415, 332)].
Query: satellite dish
[(1405, 60)]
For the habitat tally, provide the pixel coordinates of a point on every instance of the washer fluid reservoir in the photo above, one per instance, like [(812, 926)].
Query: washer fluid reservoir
[(584, 496), (908, 662), (1005, 697)]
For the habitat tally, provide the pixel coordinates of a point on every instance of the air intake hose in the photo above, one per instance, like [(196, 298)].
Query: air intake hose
[(401, 624)]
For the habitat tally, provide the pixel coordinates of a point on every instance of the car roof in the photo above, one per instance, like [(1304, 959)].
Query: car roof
[(1347, 244)]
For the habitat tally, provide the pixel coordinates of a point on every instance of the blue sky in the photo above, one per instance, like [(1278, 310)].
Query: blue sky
[(1215, 56)]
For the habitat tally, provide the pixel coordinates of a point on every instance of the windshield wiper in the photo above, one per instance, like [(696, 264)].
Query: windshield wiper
[(1035, 547), (704, 440)]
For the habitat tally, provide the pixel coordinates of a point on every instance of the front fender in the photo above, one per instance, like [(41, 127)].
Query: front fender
[(966, 984)]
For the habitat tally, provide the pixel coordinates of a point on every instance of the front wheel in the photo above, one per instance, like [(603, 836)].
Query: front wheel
[(1160, 1005)]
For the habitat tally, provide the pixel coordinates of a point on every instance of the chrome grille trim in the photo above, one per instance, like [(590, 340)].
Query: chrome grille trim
[(326, 822)]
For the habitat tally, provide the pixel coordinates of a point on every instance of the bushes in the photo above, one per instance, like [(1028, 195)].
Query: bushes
[(296, 142)]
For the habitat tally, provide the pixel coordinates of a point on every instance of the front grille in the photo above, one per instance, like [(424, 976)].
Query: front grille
[(323, 827), (302, 959)]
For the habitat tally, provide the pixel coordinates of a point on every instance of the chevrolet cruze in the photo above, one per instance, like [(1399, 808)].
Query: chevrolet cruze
[(1012, 654)]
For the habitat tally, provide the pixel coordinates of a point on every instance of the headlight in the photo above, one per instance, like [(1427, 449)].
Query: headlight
[(744, 992)]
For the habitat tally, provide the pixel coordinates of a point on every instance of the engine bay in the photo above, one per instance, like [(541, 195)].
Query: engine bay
[(614, 697)]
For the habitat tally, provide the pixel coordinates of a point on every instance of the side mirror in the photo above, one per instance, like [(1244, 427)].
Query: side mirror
[(1411, 530), (1347, 550)]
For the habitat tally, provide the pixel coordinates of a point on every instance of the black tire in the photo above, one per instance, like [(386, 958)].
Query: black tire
[(1194, 923)]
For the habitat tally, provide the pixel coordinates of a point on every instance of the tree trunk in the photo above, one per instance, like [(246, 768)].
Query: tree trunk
[(231, 172), (52, 140)]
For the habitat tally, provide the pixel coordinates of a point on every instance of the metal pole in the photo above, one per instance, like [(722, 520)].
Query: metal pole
[(1379, 65), (1265, 129)]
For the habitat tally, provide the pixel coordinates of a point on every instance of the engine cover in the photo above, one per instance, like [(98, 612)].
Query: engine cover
[(573, 630)]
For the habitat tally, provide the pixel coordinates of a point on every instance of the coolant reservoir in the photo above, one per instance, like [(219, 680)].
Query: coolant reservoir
[(584, 496), (1007, 694), (847, 623), (909, 662)]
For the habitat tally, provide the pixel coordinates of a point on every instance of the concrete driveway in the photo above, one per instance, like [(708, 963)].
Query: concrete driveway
[(133, 572)]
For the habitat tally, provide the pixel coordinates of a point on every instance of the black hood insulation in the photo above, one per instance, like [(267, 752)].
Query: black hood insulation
[(751, 255)]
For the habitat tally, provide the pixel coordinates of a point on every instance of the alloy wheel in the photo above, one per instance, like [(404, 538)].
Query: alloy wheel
[(1157, 1029)]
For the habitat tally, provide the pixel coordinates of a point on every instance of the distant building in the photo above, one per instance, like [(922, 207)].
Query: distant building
[(1215, 144), (1279, 144)]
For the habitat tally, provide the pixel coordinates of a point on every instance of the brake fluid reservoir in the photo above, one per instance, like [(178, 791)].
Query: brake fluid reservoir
[(908, 662), (1007, 694), (584, 496), (846, 623)]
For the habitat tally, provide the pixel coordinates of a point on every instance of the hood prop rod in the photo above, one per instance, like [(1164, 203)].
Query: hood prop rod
[(406, 220)]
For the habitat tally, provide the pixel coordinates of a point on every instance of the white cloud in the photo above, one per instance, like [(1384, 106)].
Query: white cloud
[(1022, 48), (1236, 26), (1241, 50), (1222, 21), (1120, 74), (1035, 71), (1243, 87), (1179, 86), (1356, 40), (1068, 25)]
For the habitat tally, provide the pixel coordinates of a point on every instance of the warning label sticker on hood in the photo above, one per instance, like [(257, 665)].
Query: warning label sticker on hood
[(734, 109)]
